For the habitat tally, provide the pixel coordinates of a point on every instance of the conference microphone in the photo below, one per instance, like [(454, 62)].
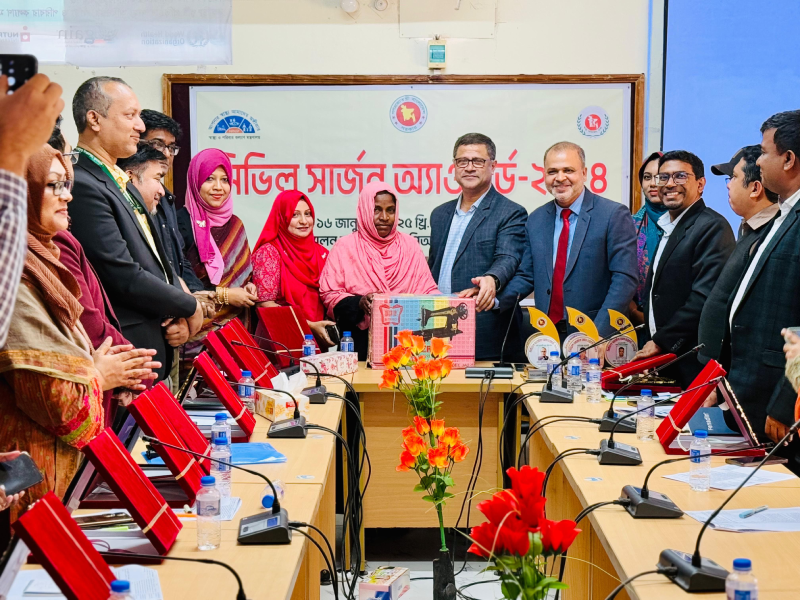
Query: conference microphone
[(610, 418), (294, 428), (502, 364), (316, 394), (266, 528), (616, 453), (561, 394), (240, 595), (695, 573), (644, 504)]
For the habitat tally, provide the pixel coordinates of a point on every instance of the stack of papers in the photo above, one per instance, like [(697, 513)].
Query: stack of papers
[(772, 519), (36, 583), (228, 509), (729, 477)]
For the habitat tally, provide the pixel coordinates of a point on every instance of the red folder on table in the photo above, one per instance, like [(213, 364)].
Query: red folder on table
[(219, 351), (225, 394), (613, 379), (669, 431), (248, 359), (134, 490), (286, 325), (187, 429), (59, 545), (182, 465)]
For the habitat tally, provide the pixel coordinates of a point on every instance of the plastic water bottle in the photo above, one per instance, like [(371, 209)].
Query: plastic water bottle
[(222, 473), (700, 451), (553, 368), (740, 584), (574, 369), (209, 523), (221, 428), (593, 392), (347, 344), (247, 391), (646, 420), (121, 590), (309, 347), (267, 497)]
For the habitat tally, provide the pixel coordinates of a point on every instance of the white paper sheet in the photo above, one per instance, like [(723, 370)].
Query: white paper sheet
[(728, 477), (772, 519), (228, 507), (36, 583)]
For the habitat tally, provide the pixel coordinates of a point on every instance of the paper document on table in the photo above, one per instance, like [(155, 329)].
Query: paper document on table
[(29, 584), (661, 412), (772, 519), (728, 477), (228, 509)]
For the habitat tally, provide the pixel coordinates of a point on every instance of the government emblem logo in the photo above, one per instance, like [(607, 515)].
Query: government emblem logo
[(593, 121), (408, 114), (234, 122)]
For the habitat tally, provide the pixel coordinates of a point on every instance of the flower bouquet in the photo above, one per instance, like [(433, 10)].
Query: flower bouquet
[(519, 540)]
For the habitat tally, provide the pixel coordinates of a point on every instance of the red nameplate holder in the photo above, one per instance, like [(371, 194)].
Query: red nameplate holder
[(248, 359), (59, 545), (187, 429), (158, 523), (669, 431), (225, 394), (613, 379), (286, 325), (182, 465), (219, 351)]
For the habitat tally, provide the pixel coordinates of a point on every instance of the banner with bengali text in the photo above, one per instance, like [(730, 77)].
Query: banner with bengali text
[(328, 141)]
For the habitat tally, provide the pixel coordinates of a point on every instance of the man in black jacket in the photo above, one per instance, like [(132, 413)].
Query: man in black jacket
[(696, 243), (757, 206), (110, 221)]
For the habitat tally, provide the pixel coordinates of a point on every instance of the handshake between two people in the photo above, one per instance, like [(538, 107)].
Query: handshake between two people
[(484, 292)]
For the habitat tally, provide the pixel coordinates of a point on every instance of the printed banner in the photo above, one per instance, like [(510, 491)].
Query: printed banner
[(329, 141)]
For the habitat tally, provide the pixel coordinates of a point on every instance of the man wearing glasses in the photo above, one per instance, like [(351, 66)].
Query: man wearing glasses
[(696, 244), (477, 240)]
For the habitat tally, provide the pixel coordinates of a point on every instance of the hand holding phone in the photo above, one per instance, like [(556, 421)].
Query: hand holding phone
[(18, 472)]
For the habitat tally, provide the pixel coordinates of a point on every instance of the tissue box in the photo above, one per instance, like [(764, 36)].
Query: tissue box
[(334, 363), (276, 406), (384, 583), (446, 317)]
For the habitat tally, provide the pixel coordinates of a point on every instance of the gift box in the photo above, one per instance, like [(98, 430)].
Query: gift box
[(333, 363), (612, 380), (276, 406), (225, 394), (446, 317), (286, 327), (248, 356), (384, 583), (219, 351)]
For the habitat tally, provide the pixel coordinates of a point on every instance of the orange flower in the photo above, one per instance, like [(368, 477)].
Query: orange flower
[(389, 379), (414, 444), (408, 432), (404, 337), (451, 436), (437, 427), (421, 368), (407, 461), (439, 347), (438, 457), (391, 360), (447, 366), (435, 369), (403, 355), (459, 452), (417, 344), (421, 425)]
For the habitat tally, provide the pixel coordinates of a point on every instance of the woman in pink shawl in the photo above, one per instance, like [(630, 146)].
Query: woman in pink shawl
[(375, 259)]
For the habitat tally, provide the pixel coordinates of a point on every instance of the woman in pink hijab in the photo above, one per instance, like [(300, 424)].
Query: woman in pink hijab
[(214, 238), (375, 259)]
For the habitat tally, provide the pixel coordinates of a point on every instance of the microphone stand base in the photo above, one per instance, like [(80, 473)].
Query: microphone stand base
[(265, 529), (486, 372), (655, 506), (708, 577), (627, 425), (620, 454), (556, 395), (288, 428), (316, 395)]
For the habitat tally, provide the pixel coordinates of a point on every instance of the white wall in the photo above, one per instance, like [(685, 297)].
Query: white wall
[(317, 37)]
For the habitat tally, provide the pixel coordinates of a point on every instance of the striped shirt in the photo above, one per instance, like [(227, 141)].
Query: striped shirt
[(13, 243), (458, 226)]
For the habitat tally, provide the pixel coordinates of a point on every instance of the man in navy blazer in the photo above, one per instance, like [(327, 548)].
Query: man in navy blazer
[(477, 241), (581, 250)]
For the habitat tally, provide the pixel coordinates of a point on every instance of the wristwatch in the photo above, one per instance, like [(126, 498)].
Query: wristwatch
[(496, 281)]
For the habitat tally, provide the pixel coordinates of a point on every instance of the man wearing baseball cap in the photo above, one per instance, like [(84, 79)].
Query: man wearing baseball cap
[(757, 206)]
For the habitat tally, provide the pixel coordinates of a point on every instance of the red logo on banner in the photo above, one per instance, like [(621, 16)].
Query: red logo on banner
[(408, 113), (592, 122)]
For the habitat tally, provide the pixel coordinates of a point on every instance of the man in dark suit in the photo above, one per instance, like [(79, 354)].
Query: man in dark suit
[(581, 248), (696, 244), (111, 222), (477, 240), (767, 297), (757, 206)]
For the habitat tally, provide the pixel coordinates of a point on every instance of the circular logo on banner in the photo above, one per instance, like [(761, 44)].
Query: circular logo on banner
[(541, 322), (593, 121), (538, 349), (408, 114), (620, 351), (577, 343), (234, 122)]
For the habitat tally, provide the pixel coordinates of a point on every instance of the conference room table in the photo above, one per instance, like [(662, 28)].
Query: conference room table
[(614, 546)]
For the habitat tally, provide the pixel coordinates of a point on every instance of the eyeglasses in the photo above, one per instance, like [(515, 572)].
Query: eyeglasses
[(60, 186), (679, 178), (162, 147), (71, 157), (463, 163)]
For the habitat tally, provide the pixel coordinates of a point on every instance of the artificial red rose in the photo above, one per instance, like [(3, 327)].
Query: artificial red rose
[(437, 427), (459, 452), (531, 510), (486, 540), (498, 506), (526, 482), (407, 461), (421, 425), (514, 535), (438, 457), (414, 444), (408, 432), (557, 536), (450, 437)]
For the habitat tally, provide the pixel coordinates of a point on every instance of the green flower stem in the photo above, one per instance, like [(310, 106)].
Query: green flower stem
[(441, 526)]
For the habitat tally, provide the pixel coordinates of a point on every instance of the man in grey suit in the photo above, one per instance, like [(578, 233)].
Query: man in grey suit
[(477, 240), (581, 250)]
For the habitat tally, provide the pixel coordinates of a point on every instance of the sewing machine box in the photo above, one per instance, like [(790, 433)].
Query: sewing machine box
[(446, 317), (384, 583)]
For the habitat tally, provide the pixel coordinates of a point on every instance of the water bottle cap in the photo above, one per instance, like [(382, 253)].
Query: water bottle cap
[(646, 393), (221, 417), (208, 480), (574, 355), (120, 585), (554, 353), (594, 361), (346, 334), (267, 500), (739, 564), (700, 433), (247, 374), (309, 336), (221, 441)]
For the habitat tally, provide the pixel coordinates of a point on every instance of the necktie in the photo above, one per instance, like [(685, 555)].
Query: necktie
[(556, 312)]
